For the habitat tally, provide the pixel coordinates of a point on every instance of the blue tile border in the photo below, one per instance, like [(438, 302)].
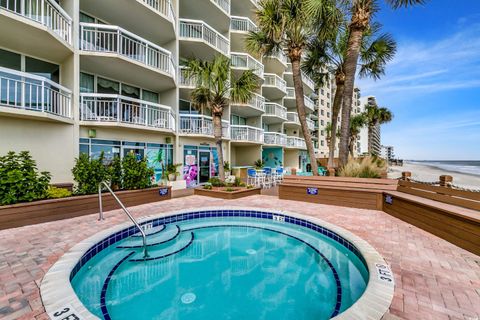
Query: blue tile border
[(103, 293), (214, 213)]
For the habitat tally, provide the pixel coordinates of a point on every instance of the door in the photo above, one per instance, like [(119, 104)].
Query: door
[(204, 166)]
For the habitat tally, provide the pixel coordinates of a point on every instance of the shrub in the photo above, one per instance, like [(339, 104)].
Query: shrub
[(207, 186), (249, 186), (88, 173), (216, 182), (226, 166), (368, 167), (136, 173), (230, 189), (20, 180), (259, 164), (115, 173), (56, 193)]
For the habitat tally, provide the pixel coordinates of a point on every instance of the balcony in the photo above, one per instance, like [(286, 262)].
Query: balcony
[(200, 125), (40, 28), (274, 113), (243, 61), (308, 84), (246, 134), (273, 87), (254, 107), (198, 39), (239, 28), (296, 143), (117, 110), (158, 20), (27, 95), (310, 124), (292, 120), (275, 63), (290, 102), (275, 138), (214, 12), (183, 80), (245, 8), (119, 54)]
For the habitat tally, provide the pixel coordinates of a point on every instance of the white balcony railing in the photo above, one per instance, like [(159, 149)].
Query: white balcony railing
[(246, 133), (257, 102), (295, 142), (275, 138), (164, 7), (224, 5), (46, 12), (272, 80), (242, 24), (107, 108), (26, 91), (310, 124), (293, 117), (280, 56), (275, 110), (308, 81), (309, 103), (113, 39), (184, 80), (199, 30), (246, 61), (201, 125)]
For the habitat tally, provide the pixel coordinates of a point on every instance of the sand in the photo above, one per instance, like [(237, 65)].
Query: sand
[(429, 174)]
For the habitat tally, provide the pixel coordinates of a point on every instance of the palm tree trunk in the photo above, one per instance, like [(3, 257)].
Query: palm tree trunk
[(350, 67), (337, 104), (299, 98), (217, 132)]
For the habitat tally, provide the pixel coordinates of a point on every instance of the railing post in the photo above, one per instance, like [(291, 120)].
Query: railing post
[(406, 175), (100, 217), (446, 181), (118, 110)]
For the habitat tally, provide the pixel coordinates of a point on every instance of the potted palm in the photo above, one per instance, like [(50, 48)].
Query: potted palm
[(172, 171), (226, 168)]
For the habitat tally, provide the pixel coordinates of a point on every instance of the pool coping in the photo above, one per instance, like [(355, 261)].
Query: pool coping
[(373, 304)]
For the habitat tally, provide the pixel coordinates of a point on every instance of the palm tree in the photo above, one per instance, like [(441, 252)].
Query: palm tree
[(216, 86), (289, 26), (328, 55), (357, 122), (375, 116), (361, 12)]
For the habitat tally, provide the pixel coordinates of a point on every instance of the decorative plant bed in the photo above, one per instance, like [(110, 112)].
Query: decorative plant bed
[(22, 214), (228, 193)]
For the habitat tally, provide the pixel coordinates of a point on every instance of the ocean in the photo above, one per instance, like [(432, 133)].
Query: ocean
[(466, 166)]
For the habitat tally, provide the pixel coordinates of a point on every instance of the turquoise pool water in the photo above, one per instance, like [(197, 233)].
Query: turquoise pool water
[(223, 268)]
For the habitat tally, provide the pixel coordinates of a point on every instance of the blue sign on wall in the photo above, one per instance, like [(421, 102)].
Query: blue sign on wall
[(163, 191), (312, 191), (388, 199)]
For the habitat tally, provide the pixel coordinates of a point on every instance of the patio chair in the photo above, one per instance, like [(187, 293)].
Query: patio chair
[(253, 178), (268, 179)]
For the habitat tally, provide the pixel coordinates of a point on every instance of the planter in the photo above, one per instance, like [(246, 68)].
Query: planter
[(172, 177), (177, 185), (22, 214), (229, 195)]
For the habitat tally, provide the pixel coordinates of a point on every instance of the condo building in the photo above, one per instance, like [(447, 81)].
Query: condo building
[(107, 77)]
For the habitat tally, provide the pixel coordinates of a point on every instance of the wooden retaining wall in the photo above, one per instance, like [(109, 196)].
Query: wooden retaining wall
[(339, 191), (460, 226), (23, 214)]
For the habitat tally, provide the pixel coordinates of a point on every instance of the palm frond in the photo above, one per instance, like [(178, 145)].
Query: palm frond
[(241, 88), (404, 3), (374, 58)]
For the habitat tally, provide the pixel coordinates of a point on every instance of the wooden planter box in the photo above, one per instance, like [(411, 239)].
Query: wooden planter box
[(22, 214), (229, 195)]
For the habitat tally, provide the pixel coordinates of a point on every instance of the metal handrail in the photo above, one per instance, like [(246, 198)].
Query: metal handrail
[(144, 236)]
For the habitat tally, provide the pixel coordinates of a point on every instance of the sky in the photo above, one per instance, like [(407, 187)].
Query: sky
[(432, 85)]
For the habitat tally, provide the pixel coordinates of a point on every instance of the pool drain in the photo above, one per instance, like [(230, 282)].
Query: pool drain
[(251, 251), (188, 298)]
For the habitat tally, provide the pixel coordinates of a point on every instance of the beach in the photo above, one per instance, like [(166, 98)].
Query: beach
[(429, 173)]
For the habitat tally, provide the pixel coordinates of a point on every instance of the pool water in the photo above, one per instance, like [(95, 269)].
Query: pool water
[(223, 268)]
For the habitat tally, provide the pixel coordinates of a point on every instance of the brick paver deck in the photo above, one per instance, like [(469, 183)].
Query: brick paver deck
[(434, 279)]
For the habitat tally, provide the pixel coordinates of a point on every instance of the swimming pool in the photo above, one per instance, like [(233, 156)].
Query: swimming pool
[(222, 263)]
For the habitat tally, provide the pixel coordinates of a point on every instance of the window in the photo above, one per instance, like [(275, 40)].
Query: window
[(42, 68), (321, 142), (10, 60), (87, 83), (150, 96), (185, 107), (328, 104), (321, 122), (322, 91), (322, 132), (322, 102), (130, 91), (237, 120), (328, 114), (266, 127), (322, 112), (107, 86)]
